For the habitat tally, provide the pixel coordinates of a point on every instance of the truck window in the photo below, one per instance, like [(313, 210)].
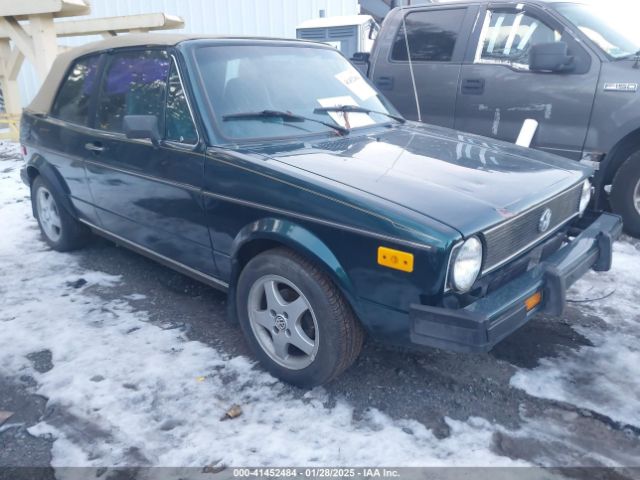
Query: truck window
[(508, 36), (431, 35), (72, 102)]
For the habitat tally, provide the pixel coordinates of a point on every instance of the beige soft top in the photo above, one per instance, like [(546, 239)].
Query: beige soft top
[(43, 101)]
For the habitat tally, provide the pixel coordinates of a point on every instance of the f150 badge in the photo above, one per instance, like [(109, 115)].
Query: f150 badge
[(621, 87)]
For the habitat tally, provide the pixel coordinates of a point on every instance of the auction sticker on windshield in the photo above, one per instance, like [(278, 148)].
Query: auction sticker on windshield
[(353, 80)]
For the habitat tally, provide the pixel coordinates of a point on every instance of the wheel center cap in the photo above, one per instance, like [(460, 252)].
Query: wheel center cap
[(280, 322)]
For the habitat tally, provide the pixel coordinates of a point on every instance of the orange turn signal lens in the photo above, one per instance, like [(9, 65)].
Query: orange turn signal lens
[(388, 257), (533, 301)]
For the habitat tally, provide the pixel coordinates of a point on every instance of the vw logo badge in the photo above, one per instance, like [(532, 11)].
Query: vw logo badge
[(280, 322), (545, 221)]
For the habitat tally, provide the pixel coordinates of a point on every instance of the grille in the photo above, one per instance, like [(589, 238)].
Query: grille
[(514, 236), (339, 32), (315, 34)]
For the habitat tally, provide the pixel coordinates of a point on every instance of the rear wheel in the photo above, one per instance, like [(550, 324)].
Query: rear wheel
[(297, 322), (625, 194), (59, 229)]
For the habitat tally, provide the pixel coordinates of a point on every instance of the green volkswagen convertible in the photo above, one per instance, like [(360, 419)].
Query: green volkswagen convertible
[(273, 170)]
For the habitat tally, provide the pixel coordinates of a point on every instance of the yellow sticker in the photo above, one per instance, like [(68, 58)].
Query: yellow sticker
[(388, 257)]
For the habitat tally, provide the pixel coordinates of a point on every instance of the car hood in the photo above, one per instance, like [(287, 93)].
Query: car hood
[(464, 181)]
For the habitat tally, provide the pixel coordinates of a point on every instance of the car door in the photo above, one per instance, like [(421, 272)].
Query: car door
[(426, 52), (149, 194), (498, 92), (64, 133)]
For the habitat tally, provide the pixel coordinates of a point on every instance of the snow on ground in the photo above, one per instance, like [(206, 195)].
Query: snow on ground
[(603, 378), (128, 392), (149, 396)]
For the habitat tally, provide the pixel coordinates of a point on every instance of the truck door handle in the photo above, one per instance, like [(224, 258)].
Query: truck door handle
[(384, 83), (94, 147), (473, 86)]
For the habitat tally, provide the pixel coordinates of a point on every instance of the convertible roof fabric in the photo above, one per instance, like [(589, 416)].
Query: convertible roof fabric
[(43, 101)]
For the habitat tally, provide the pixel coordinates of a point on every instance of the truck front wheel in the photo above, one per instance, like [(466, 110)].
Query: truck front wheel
[(625, 194)]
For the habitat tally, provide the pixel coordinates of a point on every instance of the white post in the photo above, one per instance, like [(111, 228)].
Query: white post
[(10, 62), (45, 45)]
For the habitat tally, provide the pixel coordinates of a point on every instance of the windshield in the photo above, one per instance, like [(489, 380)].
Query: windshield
[(613, 29), (249, 79)]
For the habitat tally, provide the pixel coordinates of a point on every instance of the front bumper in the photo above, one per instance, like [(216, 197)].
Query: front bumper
[(481, 325)]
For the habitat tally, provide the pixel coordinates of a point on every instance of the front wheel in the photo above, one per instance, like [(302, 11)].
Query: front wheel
[(625, 194), (295, 319)]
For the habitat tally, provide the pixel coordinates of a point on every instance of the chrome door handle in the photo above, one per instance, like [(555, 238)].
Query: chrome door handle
[(92, 147)]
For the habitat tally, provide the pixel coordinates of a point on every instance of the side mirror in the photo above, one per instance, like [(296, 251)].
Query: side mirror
[(374, 29), (550, 57), (361, 57), (360, 60), (142, 127)]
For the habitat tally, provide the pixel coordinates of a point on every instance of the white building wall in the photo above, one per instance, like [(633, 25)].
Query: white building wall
[(270, 18)]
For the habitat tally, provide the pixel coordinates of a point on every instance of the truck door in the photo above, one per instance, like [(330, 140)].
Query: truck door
[(498, 92), (425, 51)]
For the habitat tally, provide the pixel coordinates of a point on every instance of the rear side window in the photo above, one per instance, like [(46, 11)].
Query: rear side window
[(431, 35), (134, 83), (74, 97)]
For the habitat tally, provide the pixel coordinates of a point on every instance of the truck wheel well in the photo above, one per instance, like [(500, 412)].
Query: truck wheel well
[(620, 153)]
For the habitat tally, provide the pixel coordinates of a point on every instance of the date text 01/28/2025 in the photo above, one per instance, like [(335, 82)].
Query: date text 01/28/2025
[(316, 472)]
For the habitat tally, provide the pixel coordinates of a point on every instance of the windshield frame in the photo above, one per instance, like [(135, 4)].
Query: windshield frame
[(212, 122), (578, 31)]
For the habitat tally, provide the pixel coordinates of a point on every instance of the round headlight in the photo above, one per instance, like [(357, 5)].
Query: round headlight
[(466, 265), (585, 197)]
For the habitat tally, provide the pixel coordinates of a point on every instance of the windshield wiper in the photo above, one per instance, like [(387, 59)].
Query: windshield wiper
[(284, 116), (357, 109)]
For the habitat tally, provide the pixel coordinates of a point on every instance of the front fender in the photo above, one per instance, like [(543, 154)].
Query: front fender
[(299, 239)]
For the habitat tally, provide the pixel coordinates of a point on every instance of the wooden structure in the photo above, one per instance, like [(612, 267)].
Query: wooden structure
[(28, 31)]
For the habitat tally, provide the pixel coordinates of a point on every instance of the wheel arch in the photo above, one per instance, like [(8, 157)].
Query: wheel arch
[(269, 233), (619, 154), (39, 167)]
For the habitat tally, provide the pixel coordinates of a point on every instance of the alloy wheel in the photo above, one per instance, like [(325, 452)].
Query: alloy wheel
[(48, 214), (283, 322)]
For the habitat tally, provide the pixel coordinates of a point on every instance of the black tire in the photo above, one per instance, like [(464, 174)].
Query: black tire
[(623, 191), (71, 234), (339, 332)]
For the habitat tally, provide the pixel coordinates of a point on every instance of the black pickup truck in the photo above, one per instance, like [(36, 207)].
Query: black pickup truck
[(571, 68)]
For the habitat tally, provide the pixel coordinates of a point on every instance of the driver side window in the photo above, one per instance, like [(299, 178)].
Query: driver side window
[(508, 36)]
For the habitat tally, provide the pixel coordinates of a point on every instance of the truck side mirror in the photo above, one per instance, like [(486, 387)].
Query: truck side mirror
[(550, 57), (362, 57), (142, 127), (360, 60), (374, 29)]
